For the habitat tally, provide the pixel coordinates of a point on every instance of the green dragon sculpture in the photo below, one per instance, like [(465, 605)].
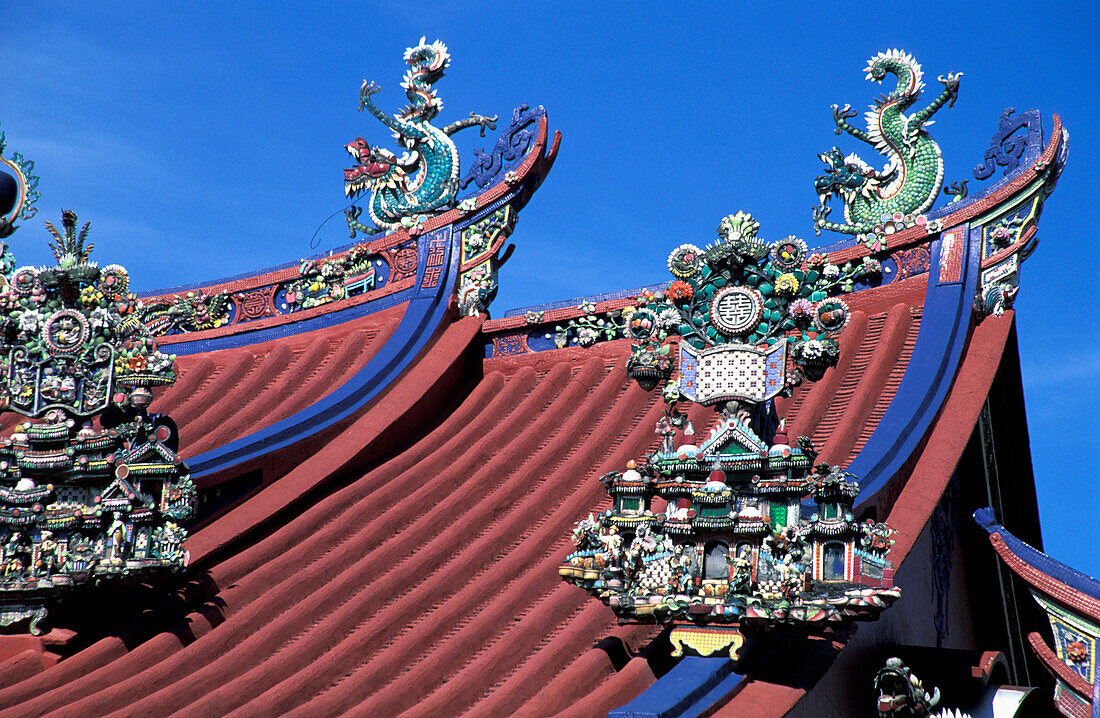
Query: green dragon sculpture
[(428, 149), (909, 184)]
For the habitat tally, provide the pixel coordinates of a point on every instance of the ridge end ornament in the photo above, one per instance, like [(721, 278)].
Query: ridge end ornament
[(425, 178), (878, 203), (18, 190)]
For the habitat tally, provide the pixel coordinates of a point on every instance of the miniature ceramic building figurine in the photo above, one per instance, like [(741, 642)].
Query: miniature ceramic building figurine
[(77, 502), (731, 550)]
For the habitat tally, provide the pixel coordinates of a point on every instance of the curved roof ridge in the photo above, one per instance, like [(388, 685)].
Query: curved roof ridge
[(1039, 561)]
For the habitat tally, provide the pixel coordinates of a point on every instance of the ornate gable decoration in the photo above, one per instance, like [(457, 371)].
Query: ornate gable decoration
[(753, 318), (709, 536), (91, 486), (72, 333)]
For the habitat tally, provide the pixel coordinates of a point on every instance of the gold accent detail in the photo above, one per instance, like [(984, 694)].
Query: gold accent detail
[(708, 641)]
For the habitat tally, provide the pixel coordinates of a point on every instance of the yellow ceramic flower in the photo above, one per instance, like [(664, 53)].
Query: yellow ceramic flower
[(786, 285), (90, 296)]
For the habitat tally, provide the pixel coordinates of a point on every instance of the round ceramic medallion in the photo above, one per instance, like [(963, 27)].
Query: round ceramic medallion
[(736, 310), (685, 260), (24, 280), (65, 331), (831, 315)]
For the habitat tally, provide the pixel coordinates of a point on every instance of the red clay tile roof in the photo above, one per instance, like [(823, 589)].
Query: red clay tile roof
[(403, 562), (424, 581)]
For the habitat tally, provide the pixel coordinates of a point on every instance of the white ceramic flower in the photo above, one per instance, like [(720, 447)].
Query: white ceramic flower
[(586, 336), (813, 349), (668, 319), (30, 320), (99, 317)]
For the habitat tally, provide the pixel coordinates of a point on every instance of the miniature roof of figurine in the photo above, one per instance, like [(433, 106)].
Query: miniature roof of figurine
[(419, 472)]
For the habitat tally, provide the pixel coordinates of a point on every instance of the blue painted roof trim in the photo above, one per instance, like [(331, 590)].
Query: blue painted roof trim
[(426, 311), (943, 331), (1096, 697), (1037, 559), (691, 687)]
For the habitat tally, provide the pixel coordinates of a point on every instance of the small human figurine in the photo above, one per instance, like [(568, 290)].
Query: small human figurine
[(612, 545), (13, 565), (47, 554), (788, 576), (742, 570), (15, 551), (792, 581), (116, 538), (684, 579)]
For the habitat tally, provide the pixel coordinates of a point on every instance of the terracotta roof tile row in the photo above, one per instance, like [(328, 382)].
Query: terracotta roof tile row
[(373, 597)]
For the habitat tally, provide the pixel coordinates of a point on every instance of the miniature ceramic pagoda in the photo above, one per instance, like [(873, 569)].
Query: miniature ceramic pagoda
[(92, 486), (727, 548), (709, 535)]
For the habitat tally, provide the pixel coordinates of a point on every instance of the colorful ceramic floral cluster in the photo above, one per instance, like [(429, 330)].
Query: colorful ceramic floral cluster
[(586, 330), (323, 281), (193, 311), (743, 290), (92, 486), (74, 330)]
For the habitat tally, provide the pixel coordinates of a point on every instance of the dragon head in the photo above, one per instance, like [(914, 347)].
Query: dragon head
[(376, 168), (900, 693), (845, 177)]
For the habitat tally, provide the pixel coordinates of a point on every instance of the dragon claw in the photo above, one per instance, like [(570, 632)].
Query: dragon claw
[(951, 84), (365, 91), (841, 115), (486, 122), (820, 213)]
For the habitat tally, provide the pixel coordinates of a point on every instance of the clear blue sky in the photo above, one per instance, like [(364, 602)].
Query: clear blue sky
[(206, 142)]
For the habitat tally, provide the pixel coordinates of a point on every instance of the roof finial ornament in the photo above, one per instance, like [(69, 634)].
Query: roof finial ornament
[(81, 505), (879, 203), (423, 180), (18, 189)]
